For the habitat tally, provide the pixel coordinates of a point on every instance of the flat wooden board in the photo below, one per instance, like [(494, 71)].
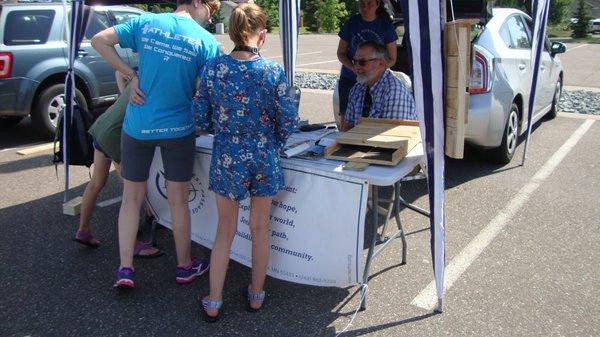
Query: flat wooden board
[(376, 141)]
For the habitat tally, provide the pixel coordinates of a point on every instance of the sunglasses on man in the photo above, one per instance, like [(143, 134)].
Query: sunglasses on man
[(362, 62)]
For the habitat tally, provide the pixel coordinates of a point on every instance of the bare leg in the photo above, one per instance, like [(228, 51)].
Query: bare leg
[(259, 227), (219, 257), (93, 188), (177, 193), (147, 251), (129, 214)]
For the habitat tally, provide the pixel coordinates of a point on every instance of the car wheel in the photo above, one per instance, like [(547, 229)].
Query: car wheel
[(10, 121), (505, 152), (555, 100), (48, 107)]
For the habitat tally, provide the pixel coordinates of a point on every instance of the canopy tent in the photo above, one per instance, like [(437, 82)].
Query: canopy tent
[(426, 25), (539, 10), (424, 21)]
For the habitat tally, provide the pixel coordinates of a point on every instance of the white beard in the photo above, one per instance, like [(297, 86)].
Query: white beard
[(362, 78)]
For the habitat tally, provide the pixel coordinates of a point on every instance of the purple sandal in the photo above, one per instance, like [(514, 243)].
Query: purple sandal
[(140, 246), (86, 238)]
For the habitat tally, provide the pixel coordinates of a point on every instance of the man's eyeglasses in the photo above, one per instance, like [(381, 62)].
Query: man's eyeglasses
[(362, 62)]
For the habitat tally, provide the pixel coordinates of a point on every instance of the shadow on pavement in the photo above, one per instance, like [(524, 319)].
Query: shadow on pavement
[(23, 134), (27, 163), (365, 331), (54, 286)]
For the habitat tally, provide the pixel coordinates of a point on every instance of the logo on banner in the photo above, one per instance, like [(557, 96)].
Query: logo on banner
[(196, 193)]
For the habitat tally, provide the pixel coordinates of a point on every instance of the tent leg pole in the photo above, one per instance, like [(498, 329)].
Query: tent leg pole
[(66, 194), (440, 306), (375, 224), (398, 222)]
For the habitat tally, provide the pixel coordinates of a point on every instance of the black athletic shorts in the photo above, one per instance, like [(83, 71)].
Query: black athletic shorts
[(177, 156)]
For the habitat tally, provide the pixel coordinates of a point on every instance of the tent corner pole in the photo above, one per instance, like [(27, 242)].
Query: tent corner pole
[(440, 306)]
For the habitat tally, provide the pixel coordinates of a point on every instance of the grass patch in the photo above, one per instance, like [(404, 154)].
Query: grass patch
[(559, 31)]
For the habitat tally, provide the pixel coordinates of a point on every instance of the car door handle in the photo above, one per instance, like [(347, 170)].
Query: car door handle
[(82, 53), (521, 67)]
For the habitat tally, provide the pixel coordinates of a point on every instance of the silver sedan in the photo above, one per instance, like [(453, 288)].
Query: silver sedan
[(500, 83)]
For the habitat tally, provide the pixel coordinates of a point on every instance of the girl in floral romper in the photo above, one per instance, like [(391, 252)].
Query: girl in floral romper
[(245, 100)]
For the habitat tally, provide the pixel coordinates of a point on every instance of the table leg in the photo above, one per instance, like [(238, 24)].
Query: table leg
[(375, 225), (382, 238), (398, 223)]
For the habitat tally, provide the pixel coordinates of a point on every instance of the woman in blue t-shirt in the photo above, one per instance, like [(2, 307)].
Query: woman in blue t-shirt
[(172, 48), (373, 23)]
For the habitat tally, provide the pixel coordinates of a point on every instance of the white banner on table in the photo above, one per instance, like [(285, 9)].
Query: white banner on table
[(316, 224)]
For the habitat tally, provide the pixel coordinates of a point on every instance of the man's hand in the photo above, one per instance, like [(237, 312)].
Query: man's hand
[(137, 96), (345, 126)]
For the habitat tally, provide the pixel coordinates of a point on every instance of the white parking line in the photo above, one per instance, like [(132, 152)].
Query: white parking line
[(310, 64), (301, 54), (427, 298), (10, 149), (582, 45)]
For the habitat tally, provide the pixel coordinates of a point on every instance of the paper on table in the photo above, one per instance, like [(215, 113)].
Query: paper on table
[(296, 148)]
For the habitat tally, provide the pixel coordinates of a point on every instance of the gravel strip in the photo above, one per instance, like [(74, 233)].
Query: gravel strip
[(580, 101), (577, 101)]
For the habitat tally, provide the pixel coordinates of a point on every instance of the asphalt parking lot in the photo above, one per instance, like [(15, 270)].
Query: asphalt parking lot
[(522, 249)]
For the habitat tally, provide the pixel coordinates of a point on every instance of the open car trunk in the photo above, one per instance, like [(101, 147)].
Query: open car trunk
[(455, 10)]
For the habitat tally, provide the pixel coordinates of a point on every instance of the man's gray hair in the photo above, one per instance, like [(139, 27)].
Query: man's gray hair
[(380, 51)]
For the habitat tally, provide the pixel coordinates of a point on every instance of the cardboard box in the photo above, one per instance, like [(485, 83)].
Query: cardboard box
[(376, 141)]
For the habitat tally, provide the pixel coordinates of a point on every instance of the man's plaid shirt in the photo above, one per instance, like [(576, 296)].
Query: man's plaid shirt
[(390, 99)]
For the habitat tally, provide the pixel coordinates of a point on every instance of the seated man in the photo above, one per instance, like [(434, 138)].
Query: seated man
[(377, 93)]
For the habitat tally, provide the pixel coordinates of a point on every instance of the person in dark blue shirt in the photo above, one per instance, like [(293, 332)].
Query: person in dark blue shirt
[(372, 24)]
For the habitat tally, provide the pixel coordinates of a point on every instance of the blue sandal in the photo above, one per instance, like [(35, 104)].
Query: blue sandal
[(254, 296), (207, 303)]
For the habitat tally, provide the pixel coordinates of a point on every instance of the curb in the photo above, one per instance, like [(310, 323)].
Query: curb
[(575, 88), (575, 115)]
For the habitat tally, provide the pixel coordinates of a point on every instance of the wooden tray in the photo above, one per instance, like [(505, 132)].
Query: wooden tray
[(376, 141)]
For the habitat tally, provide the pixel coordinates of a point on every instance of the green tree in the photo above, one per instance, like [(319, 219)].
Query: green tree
[(581, 28), (156, 8), (329, 14), (351, 9), (309, 7), (271, 7), (559, 9)]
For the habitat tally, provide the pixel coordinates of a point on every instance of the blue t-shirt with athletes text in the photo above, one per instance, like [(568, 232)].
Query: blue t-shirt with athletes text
[(172, 50), (356, 31)]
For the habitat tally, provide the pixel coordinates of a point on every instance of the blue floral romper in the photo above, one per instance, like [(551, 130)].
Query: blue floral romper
[(246, 104)]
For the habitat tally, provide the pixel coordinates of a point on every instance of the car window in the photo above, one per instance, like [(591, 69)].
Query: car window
[(529, 22), (519, 37), (122, 16), (98, 22), (505, 35), (28, 27)]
